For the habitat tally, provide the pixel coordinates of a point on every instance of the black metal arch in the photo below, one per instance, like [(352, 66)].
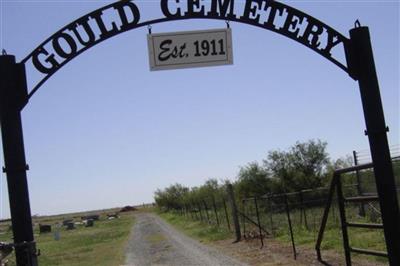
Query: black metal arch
[(314, 29), (360, 66)]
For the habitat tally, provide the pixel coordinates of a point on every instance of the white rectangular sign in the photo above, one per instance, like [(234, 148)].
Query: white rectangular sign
[(188, 49)]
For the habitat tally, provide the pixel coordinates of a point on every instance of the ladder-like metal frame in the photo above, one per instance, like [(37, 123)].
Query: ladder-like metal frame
[(337, 183)]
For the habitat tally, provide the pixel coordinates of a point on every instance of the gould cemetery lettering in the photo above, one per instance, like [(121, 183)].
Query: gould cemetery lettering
[(122, 16)]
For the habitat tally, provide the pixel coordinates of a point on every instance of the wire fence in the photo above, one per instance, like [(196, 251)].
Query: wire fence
[(366, 180), (283, 216), (364, 156), (293, 217), (211, 210)]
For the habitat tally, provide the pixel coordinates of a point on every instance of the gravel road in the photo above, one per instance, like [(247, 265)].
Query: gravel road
[(154, 242)]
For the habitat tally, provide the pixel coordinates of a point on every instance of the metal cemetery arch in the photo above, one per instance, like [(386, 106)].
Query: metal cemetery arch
[(45, 62), (67, 43)]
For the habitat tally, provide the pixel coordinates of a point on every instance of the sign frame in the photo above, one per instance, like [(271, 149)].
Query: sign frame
[(183, 49)]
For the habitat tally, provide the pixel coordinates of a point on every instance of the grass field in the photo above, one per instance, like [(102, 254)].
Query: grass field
[(103, 244)]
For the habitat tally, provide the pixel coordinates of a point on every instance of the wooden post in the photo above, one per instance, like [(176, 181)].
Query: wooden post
[(235, 216), (226, 215), (215, 210)]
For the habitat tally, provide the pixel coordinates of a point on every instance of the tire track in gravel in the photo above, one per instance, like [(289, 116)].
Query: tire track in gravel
[(154, 242)]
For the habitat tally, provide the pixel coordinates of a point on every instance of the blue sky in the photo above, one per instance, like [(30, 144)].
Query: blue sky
[(104, 131)]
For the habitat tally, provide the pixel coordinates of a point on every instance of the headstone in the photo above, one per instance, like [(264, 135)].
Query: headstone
[(128, 209), (70, 226), (56, 235), (57, 232), (67, 221), (89, 223), (94, 217), (44, 228), (112, 216)]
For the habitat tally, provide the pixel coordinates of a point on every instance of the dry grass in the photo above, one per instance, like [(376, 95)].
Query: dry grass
[(102, 244)]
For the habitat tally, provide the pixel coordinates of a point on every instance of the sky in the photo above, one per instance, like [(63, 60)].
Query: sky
[(105, 131)]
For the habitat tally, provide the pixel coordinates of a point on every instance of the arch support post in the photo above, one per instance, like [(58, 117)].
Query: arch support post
[(13, 97), (361, 63)]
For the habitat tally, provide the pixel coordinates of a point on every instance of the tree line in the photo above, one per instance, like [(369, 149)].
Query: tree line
[(305, 165)]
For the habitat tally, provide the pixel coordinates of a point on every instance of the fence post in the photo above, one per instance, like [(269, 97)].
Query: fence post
[(235, 217), (195, 215), (303, 210), (361, 208), (258, 221), (325, 216), (243, 217), (271, 214), (343, 222), (188, 211), (334, 216), (215, 210), (201, 215), (206, 210), (226, 215), (290, 226)]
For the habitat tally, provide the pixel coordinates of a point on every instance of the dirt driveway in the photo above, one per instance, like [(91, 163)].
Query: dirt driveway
[(154, 242)]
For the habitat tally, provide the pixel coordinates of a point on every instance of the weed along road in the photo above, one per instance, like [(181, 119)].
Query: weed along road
[(153, 242)]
